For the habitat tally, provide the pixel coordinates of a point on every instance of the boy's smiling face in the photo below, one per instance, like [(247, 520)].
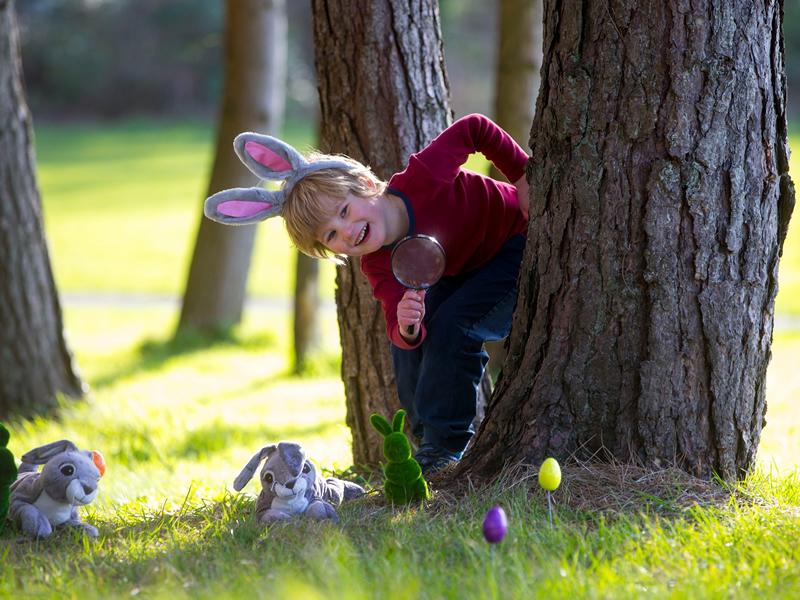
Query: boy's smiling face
[(357, 227)]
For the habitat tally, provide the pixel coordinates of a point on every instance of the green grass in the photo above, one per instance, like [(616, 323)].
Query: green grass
[(122, 204), (177, 420), (213, 549)]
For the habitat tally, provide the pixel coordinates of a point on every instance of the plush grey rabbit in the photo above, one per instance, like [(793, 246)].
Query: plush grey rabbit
[(42, 500), (291, 485)]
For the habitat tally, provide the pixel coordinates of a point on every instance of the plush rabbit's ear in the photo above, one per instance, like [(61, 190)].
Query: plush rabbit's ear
[(40, 455), (398, 420), (250, 468), (380, 423), (242, 206), (266, 156)]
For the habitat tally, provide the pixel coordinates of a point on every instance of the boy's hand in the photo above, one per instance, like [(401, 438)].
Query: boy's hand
[(523, 194), (410, 312)]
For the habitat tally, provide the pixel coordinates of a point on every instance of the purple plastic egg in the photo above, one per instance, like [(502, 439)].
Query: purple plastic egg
[(495, 525)]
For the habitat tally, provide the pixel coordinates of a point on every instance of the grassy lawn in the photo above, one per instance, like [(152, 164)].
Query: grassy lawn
[(131, 194), (177, 420)]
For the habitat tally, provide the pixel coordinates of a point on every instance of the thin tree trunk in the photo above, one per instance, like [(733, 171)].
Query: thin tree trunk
[(35, 362), (306, 309), (255, 73), (519, 59), (383, 94), (660, 201)]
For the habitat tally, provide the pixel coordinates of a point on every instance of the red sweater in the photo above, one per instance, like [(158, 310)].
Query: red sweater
[(472, 216)]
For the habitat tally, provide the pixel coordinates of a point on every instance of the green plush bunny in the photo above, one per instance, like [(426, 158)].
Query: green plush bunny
[(8, 474), (404, 481)]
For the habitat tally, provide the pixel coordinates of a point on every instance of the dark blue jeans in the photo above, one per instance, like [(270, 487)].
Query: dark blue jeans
[(438, 381)]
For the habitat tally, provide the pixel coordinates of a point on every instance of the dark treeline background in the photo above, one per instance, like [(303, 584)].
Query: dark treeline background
[(117, 58), (114, 58)]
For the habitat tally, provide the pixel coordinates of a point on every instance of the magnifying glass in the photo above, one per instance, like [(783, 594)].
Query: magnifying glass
[(418, 262)]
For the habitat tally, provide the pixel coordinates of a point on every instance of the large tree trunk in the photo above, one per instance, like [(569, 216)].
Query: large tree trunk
[(519, 59), (660, 201), (255, 73), (383, 94), (35, 362)]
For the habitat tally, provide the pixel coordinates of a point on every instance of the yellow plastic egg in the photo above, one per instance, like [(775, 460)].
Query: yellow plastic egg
[(550, 474)]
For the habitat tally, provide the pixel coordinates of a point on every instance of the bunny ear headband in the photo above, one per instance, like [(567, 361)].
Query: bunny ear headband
[(268, 158)]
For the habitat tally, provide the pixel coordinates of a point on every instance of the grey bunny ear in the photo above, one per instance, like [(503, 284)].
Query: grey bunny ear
[(241, 206), (266, 156), (40, 455), (271, 158), (251, 466)]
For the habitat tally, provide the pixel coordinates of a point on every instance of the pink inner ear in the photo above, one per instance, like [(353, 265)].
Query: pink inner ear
[(267, 157), (241, 208)]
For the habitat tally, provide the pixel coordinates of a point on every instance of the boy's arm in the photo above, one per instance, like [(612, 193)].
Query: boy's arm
[(389, 293), (448, 152)]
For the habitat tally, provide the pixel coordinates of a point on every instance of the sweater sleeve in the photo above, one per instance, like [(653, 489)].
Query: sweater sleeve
[(446, 154), (387, 291)]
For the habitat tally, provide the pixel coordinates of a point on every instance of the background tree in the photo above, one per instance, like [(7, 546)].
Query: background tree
[(383, 95), (35, 362), (519, 58), (306, 309), (660, 202), (253, 100)]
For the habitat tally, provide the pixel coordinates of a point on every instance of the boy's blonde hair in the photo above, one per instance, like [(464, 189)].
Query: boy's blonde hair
[(313, 200)]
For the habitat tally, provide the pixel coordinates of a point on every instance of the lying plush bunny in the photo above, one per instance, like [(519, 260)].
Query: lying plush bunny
[(43, 500), (291, 485)]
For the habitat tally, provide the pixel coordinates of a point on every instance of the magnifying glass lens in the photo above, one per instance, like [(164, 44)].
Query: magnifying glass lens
[(418, 261)]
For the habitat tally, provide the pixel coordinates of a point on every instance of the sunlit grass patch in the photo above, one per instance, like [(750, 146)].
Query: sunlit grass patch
[(171, 413), (122, 203), (780, 438)]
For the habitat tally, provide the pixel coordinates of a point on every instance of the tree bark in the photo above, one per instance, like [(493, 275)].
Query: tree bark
[(253, 100), (306, 309), (660, 201), (383, 95), (35, 362), (519, 59)]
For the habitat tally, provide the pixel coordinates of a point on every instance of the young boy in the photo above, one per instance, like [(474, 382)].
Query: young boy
[(333, 205)]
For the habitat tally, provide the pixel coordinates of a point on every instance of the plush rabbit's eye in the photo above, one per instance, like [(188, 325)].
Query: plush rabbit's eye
[(306, 468), (67, 470), (268, 478)]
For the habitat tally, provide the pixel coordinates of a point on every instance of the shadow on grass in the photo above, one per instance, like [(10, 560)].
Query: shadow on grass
[(214, 543), (152, 354)]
